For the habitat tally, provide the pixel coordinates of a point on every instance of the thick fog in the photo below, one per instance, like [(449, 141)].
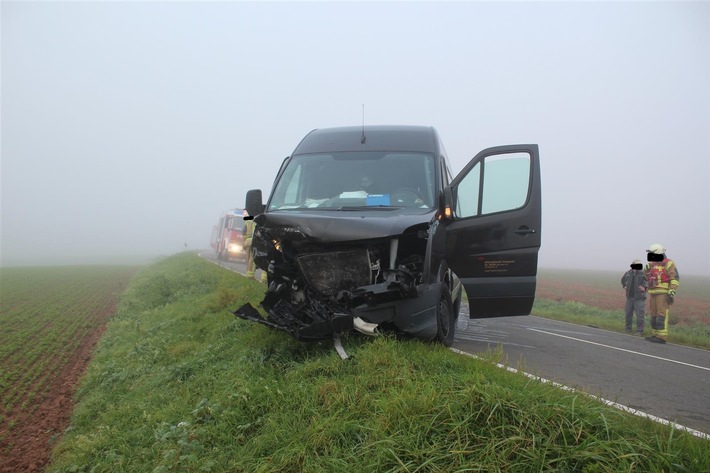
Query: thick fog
[(128, 127)]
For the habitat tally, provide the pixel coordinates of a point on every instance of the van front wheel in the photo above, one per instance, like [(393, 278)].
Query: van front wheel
[(445, 321)]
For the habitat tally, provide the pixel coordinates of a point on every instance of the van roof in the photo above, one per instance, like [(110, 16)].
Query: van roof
[(377, 138)]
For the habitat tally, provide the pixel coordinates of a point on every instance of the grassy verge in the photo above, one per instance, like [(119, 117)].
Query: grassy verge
[(178, 384), (694, 334)]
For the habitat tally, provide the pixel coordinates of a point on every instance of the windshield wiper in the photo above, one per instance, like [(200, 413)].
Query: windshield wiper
[(369, 207), (345, 209)]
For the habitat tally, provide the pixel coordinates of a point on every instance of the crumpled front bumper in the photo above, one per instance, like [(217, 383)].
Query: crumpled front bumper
[(319, 320), (307, 331)]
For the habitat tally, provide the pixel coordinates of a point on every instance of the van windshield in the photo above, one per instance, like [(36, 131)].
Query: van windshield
[(372, 179)]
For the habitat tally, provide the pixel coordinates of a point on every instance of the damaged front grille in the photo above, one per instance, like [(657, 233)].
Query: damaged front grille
[(329, 273), (314, 294)]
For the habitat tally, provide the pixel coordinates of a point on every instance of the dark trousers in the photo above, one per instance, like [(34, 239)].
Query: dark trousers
[(633, 304)]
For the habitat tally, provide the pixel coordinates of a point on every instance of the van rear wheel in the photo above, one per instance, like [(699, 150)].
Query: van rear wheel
[(445, 321)]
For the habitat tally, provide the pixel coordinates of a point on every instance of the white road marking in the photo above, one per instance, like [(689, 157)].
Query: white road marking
[(621, 349), (616, 405)]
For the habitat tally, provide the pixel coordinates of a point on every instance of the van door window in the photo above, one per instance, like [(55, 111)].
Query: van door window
[(506, 181), (468, 193), (497, 184)]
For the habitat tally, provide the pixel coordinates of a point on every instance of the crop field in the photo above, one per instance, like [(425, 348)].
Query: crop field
[(603, 290), (50, 320)]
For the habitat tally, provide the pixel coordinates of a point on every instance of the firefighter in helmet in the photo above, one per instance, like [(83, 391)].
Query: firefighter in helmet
[(663, 280), (248, 236)]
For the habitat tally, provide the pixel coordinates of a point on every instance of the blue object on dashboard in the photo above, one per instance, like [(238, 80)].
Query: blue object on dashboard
[(378, 199)]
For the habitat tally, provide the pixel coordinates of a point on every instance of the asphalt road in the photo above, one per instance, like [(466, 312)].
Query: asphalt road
[(669, 382), (235, 265)]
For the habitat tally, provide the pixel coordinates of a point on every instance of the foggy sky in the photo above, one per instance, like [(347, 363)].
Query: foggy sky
[(127, 128)]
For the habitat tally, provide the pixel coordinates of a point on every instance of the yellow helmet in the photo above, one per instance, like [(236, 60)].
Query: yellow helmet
[(657, 249)]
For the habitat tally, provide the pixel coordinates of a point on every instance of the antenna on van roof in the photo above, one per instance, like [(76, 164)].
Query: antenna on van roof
[(362, 138)]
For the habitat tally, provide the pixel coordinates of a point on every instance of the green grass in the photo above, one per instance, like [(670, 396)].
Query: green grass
[(179, 384)]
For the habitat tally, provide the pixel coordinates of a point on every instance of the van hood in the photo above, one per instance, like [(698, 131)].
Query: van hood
[(342, 225)]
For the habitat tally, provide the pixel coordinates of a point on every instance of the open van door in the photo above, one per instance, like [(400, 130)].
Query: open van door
[(492, 221)]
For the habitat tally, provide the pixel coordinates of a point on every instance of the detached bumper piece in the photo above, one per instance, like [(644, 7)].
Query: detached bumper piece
[(305, 325)]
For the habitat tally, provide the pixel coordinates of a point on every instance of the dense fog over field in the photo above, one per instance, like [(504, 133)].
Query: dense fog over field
[(128, 127)]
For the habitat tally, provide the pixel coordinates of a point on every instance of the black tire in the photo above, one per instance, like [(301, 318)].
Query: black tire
[(445, 319)]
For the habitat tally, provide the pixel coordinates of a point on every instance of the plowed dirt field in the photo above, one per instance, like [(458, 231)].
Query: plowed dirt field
[(50, 322), (603, 290)]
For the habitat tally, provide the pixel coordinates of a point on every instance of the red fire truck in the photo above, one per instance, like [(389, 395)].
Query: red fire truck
[(227, 236)]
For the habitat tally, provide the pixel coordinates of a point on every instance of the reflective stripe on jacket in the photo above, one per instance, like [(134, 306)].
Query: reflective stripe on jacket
[(662, 276)]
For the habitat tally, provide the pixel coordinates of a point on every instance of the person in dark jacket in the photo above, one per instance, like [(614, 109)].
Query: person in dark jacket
[(634, 281)]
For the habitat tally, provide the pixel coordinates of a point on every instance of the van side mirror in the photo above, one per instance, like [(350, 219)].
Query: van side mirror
[(254, 206)]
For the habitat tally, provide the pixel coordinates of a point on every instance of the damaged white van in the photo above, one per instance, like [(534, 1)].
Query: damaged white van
[(366, 229)]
